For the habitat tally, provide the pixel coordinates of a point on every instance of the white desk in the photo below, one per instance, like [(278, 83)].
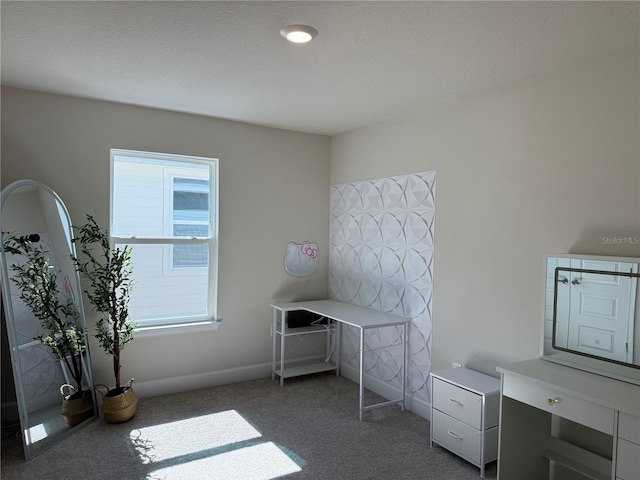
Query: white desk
[(538, 397), (347, 314)]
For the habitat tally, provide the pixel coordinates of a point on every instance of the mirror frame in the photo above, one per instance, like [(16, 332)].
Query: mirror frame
[(31, 449)]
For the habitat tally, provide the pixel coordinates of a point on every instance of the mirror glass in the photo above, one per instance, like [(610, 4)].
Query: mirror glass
[(592, 312), (47, 366)]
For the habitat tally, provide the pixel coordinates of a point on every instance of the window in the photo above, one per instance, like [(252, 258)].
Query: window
[(165, 207), (190, 218)]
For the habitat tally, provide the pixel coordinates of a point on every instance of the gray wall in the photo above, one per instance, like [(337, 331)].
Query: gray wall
[(273, 190), (549, 164)]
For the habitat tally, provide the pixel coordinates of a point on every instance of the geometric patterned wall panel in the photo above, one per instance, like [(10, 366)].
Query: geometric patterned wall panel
[(381, 238)]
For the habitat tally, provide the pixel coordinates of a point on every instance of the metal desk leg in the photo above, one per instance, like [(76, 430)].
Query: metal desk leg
[(338, 345), (329, 339), (282, 338), (404, 364), (274, 340), (431, 412), (361, 373)]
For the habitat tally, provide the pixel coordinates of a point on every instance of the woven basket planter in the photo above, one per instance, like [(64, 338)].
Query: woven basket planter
[(76, 406), (118, 405)]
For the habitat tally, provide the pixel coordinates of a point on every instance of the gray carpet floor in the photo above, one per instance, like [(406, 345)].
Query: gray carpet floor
[(308, 429)]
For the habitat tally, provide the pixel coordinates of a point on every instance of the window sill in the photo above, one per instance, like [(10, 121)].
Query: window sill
[(177, 329)]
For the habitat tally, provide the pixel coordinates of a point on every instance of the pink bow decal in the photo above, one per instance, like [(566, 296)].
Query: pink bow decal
[(308, 250)]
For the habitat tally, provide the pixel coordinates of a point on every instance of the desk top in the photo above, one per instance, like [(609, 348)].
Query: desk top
[(346, 313)]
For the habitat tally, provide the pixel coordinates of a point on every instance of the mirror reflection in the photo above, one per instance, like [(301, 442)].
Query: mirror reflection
[(595, 313), (592, 311), (45, 321)]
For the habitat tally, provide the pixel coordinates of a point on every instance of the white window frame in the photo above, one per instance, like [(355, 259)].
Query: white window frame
[(177, 323)]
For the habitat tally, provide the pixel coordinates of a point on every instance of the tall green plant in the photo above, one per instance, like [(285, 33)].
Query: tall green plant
[(59, 316), (109, 272)]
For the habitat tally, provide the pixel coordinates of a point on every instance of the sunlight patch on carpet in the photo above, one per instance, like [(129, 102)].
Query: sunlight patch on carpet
[(264, 461), (186, 437), (220, 445)]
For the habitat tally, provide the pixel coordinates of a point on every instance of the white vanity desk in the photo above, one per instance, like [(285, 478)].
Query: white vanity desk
[(558, 422)]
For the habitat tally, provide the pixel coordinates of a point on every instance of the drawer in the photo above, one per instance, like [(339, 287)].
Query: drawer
[(560, 403), (456, 436), (457, 402), (628, 460), (629, 427)]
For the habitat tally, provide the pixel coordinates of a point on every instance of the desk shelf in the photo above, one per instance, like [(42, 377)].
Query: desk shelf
[(575, 466), (288, 368), (293, 332), (305, 369)]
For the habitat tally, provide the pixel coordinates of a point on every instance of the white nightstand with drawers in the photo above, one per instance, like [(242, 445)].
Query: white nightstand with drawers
[(465, 414)]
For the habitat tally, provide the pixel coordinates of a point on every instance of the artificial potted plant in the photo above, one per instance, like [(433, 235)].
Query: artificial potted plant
[(109, 271), (60, 322)]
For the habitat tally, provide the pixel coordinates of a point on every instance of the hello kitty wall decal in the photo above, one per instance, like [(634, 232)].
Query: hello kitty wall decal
[(301, 259)]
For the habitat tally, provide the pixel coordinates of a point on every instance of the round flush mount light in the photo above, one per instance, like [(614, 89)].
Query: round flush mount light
[(298, 33)]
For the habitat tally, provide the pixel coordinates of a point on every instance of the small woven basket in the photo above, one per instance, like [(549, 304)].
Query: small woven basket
[(76, 410), (118, 408)]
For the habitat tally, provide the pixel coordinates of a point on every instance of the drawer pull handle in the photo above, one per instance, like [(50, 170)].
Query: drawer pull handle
[(552, 401), (454, 435), (456, 402)]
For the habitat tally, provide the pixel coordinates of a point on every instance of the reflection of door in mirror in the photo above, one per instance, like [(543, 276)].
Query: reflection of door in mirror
[(32, 209), (601, 310), (594, 312)]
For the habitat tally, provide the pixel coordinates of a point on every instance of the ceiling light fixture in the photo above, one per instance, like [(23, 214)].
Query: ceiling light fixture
[(298, 33)]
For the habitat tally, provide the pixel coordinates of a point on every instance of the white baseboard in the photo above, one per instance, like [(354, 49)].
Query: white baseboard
[(254, 372), (413, 404), (196, 381)]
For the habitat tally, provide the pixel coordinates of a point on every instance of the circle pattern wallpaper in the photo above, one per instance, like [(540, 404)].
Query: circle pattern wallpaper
[(381, 247)]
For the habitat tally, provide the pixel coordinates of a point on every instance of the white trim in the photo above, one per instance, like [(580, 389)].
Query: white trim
[(196, 381), (172, 328), (261, 371), (214, 182), (174, 170)]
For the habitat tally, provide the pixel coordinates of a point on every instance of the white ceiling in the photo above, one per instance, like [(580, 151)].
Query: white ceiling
[(370, 61)]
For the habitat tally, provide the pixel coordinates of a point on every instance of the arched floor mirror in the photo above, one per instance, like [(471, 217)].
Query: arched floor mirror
[(36, 241)]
